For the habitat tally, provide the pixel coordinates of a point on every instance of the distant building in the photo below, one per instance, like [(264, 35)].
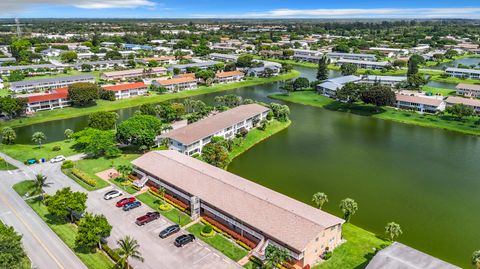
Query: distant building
[(134, 73), (473, 103), (167, 59), (384, 80), (224, 57), (228, 77), (420, 104), (49, 83), (7, 59), (191, 138), (365, 64), (100, 65), (123, 91), (335, 56), (177, 84), (57, 98), (33, 69), (183, 67), (400, 256), (463, 73), (312, 56), (330, 86), (392, 51), (469, 90)]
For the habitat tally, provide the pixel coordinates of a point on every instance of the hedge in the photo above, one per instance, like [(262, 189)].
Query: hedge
[(83, 176)]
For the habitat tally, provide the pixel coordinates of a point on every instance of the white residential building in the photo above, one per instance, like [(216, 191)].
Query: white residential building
[(365, 64), (49, 83), (473, 103), (229, 77), (123, 91), (463, 73), (177, 84), (418, 103), (469, 90), (57, 98), (134, 73), (335, 56)]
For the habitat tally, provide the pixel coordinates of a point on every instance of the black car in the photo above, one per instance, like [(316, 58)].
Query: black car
[(182, 240), (169, 231)]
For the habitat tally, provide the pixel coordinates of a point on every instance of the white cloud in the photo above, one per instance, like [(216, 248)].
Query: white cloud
[(10, 7), (463, 12)]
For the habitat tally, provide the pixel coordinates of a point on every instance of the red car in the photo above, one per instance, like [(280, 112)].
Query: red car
[(150, 216), (125, 201)]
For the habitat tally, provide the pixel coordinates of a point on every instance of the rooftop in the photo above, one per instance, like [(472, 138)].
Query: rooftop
[(177, 80), (60, 93), (362, 62), (472, 87), (418, 100), (461, 100), (281, 217), (51, 80), (228, 74), (128, 86), (463, 70)]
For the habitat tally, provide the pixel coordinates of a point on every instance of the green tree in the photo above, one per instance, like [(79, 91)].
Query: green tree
[(39, 137), (348, 69), (64, 203), (140, 130), (82, 93), (460, 111), (68, 56), (128, 248), (287, 86), (86, 67), (8, 135), (350, 92), (349, 207), (280, 112), (68, 134), (476, 259), (275, 257), (102, 120), (244, 60), (322, 70), (393, 230), (413, 63), (301, 83), (113, 55), (124, 170), (416, 81), (39, 181), (91, 228), (378, 95), (96, 142), (205, 74), (16, 75), (19, 48), (148, 109), (320, 198), (12, 253), (450, 54), (12, 106), (215, 154)]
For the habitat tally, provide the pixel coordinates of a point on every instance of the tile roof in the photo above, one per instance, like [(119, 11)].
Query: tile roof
[(174, 81), (461, 100), (229, 74), (472, 87), (281, 217), (60, 93), (128, 86), (418, 100)]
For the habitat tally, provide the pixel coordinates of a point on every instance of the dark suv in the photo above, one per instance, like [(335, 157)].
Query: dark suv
[(169, 231), (182, 240)]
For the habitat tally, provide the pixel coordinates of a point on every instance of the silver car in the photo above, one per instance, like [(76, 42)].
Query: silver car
[(112, 194)]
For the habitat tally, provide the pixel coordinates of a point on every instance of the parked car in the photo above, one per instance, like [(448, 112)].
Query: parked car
[(169, 231), (125, 201), (182, 240), (112, 194), (150, 216), (131, 205), (57, 159)]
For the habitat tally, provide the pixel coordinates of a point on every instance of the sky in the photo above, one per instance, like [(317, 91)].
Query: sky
[(240, 9)]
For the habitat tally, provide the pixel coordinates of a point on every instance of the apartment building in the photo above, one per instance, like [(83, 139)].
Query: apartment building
[(469, 90), (49, 83), (134, 73), (229, 77), (365, 64), (57, 98), (473, 103), (418, 103), (123, 91), (335, 56), (463, 73), (177, 84)]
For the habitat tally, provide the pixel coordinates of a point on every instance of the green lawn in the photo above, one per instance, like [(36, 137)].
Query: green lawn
[(23, 152), (4, 92), (310, 98), (360, 247), (256, 136), (174, 215), (67, 233), (129, 189), (25, 187), (219, 242), (95, 73), (4, 165), (100, 182), (438, 77), (102, 105), (441, 91)]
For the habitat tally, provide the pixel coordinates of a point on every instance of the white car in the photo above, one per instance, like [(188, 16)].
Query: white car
[(57, 159), (112, 194)]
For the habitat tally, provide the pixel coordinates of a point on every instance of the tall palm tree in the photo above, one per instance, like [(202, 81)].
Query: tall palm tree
[(128, 249), (320, 198), (476, 259), (8, 135), (393, 230), (39, 137), (40, 181)]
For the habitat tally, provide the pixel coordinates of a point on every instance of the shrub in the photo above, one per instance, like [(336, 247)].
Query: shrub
[(207, 231), (165, 207), (83, 177), (67, 164), (327, 255), (56, 148)]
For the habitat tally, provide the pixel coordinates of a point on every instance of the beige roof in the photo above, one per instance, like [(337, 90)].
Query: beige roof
[(281, 217), (209, 126), (229, 74), (174, 81), (471, 87), (418, 100), (465, 101), (133, 71)]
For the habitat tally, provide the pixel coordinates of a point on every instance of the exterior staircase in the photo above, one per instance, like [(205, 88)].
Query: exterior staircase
[(140, 183)]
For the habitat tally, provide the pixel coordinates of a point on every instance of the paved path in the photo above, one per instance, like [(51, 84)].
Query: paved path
[(42, 245)]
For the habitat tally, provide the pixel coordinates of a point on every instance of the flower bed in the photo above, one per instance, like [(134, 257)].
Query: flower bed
[(170, 199), (132, 178), (83, 176), (165, 207), (217, 226)]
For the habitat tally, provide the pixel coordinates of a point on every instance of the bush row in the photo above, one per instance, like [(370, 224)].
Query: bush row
[(246, 243), (83, 176), (169, 199), (112, 254)]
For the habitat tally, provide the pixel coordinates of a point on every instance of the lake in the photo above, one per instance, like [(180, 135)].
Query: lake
[(465, 61), (425, 179)]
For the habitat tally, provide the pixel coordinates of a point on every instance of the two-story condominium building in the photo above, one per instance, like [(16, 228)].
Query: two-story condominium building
[(463, 73), (384, 80), (191, 138), (335, 56), (134, 73), (177, 84), (473, 103), (128, 90), (469, 90), (365, 64), (249, 212), (390, 51), (418, 103), (49, 83), (57, 98), (224, 57), (307, 55), (34, 69), (166, 59), (330, 86), (228, 77), (183, 67), (100, 65)]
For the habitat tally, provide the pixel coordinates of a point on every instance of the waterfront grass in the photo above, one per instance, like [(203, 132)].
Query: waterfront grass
[(173, 215), (360, 247), (23, 152), (466, 126), (25, 187), (67, 232), (454, 80), (102, 105), (256, 136), (219, 242)]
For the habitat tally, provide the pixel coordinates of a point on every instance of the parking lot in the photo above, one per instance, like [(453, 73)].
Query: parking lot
[(158, 253)]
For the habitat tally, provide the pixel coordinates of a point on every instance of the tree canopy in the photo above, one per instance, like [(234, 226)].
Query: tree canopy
[(12, 254), (90, 229), (102, 120), (64, 203), (83, 93), (215, 154), (97, 142), (139, 130)]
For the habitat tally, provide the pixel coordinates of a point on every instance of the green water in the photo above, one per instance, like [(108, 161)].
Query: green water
[(425, 179)]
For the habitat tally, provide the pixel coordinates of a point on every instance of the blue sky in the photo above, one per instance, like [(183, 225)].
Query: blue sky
[(242, 9)]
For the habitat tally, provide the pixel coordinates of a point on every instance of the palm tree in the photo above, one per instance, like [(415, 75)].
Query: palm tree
[(161, 191), (275, 256), (476, 259), (349, 207), (38, 137), (8, 135), (68, 133), (393, 230), (40, 181), (128, 247), (125, 170), (320, 198)]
